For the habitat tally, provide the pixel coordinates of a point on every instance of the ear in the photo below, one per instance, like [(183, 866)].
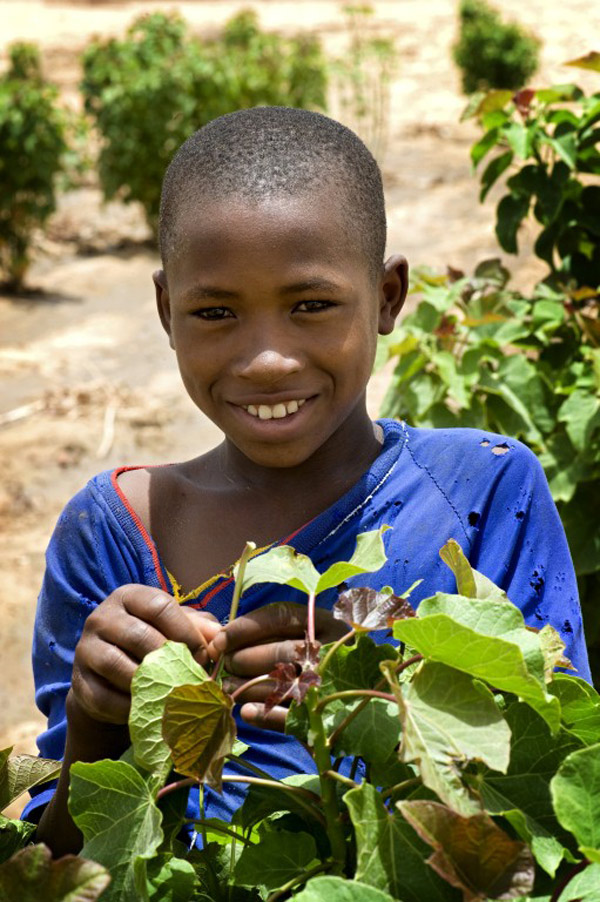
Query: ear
[(163, 302), (392, 292)]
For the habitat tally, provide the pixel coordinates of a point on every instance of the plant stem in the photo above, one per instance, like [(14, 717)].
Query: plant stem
[(558, 890), (328, 793), (310, 627), (304, 797), (333, 775), (322, 665), (257, 771), (354, 693), (398, 787), (217, 828), (249, 547), (259, 679), (172, 787), (304, 878)]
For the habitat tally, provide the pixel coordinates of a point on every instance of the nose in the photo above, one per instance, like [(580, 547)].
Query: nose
[(267, 356)]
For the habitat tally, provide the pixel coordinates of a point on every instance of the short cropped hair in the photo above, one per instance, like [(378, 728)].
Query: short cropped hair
[(268, 151)]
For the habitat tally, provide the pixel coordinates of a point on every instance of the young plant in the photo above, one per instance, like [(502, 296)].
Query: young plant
[(32, 137), (453, 765), (151, 90), (491, 53), (474, 353), (548, 140)]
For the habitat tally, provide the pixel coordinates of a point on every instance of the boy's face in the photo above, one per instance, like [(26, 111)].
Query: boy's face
[(274, 313)]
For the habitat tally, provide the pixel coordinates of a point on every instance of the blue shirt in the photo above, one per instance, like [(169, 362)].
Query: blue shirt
[(486, 491)]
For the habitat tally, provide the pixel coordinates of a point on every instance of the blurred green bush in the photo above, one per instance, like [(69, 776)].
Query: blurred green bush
[(491, 53), (149, 92), (32, 138)]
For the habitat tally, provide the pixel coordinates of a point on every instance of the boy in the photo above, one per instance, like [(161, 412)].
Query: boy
[(272, 293)]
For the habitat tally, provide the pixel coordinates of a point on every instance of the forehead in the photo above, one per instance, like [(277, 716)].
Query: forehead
[(290, 231)]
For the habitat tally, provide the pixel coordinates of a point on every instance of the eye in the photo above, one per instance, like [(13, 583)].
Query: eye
[(313, 306), (213, 313)]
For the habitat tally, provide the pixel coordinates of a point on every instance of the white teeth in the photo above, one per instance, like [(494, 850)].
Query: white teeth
[(276, 411)]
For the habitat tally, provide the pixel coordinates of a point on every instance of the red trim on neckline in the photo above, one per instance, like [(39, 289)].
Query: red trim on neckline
[(114, 476)]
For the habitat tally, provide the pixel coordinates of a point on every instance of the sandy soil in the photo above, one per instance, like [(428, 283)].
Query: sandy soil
[(88, 381)]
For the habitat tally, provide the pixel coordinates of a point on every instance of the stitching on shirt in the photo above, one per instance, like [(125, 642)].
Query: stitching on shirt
[(435, 482), (362, 504)]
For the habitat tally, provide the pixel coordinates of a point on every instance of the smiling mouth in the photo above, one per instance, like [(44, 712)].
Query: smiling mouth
[(274, 411)]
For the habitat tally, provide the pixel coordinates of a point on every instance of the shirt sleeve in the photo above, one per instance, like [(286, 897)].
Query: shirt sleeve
[(519, 542), (81, 570)]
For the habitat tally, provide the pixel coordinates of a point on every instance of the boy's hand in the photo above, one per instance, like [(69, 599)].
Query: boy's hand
[(254, 643), (133, 621)]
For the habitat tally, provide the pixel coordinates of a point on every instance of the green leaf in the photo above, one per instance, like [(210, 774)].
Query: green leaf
[(580, 706), (472, 853), (114, 808), (157, 675), (283, 565), (170, 879), (493, 171), (368, 557), (262, 801), (576, 797), (546, 849), (591, 61), (585, 886), (338, 889), (580, 414), (518, 137), (510, 213), (377, 719), (21, 773), (279, 857), (200, 731), (31, 875), (389, 855), (14, 834), (484, 145), (469, 581), (356, 666), (486, 638), (448, 721)]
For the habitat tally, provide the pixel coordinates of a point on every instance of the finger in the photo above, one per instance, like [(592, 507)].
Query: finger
[(281, 619), (106, 660), (99, 699), (255, 715), (259, 659), (207, 627)]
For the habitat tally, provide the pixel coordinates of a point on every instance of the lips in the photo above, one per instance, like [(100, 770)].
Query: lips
[(274, 411)]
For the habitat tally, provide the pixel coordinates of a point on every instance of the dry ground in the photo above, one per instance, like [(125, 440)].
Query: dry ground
[(83, 358)]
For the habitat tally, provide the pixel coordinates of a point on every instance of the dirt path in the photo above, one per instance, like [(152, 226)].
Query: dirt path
[(87, 353)]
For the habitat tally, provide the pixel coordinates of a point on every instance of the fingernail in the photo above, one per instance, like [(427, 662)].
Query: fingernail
[(250, 712), (219, 641)]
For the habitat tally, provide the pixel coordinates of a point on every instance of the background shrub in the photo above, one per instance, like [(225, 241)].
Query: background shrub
[(149, 92), (491, 53), (32, 138)]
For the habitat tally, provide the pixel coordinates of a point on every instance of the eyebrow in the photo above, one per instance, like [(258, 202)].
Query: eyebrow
[(315, 284), (208, 292)]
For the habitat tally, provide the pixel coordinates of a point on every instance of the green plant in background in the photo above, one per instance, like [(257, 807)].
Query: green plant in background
[(150, 91), (362, 77), (33, 141), (481, 765), (551, 139), (476, 354), (491, 53)]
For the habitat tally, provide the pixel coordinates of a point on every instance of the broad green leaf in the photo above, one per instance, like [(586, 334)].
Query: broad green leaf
[(356, 666), (584, 886), (448, 721), (32, 876), (170, 879), (283, 565), (493, 171), (486, 638), (14, 834), (576, 797), (114, 808), (518, 137), (338, 889), (158, 674), (22, 772), (580, 414), (469, 582), (372, 735), (200, 730), (525, 788), (278, 858), (484, 145), (553, 651), (262, 801), (389, 855), (368, 557), (472, 853), (580, 706)]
